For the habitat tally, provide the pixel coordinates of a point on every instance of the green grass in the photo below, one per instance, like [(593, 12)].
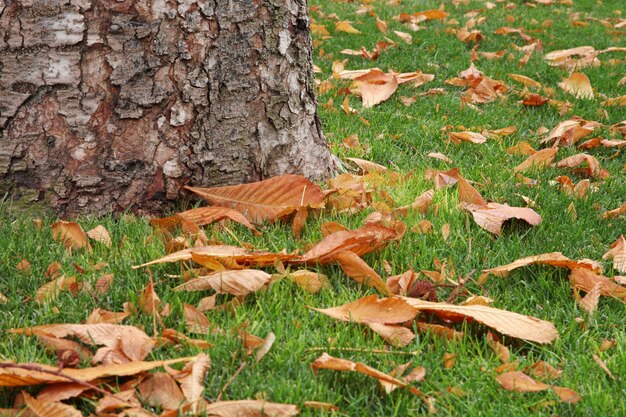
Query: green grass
[(400, 136)]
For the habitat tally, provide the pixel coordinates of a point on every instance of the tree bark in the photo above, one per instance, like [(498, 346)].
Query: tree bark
[(115, 104)]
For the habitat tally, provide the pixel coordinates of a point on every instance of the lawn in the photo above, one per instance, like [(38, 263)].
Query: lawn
[(400, 137)]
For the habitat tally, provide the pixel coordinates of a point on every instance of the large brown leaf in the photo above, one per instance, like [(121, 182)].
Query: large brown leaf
[(191, 378), (31, 373), (160, 390), (360, 241), (250, 408), (520, 382), (586, 280), (537, 160), (506, 322), (71, 234), (130, 342), (266, 200), (357, 269), (556, 259), (371, 309), (494, 215), (240, 282), (230, 255)]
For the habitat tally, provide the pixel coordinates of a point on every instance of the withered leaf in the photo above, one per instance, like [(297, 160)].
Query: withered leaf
[(201, 216), (239, 282), (357, 269), (310, 281), (577, 84), (540, 159), (17, 377), (520, 382), (250, 408), (191, 378), (371, 309), (466, 136), (556, 259), (266, 200), (506, 322), (160, 390), (618, 254), (585, 280), (394, 335), (70, 234), (100, 234), (494, 215), (49, 409)]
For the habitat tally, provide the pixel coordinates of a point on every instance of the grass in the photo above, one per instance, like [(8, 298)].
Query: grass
[(400, 136)]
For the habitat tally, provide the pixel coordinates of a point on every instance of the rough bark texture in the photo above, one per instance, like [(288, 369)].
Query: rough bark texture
[(111, 104)]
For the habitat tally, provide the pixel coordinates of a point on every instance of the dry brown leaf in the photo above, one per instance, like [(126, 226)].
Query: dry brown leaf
[(239, 282), (569, 132), (527, 81), (49, 409), (492, 216), (99, 315), (449, 359), (266, 200), (469, 195), (537, 160), (501, 351), (100, 234), (357, 269), (618, 254), (593, 166), (50, 290), (394, 335), (345, 26), (149, 300), (325, 361), (401, 284), (589, 302), (122, 400), (191, 378), (375, 93), (190, 220), (577, 84), (103, 284), (321, 406), (611, 214), (195, 320), (364, 240), (442, 178), (466, 136), (33, 375), (421, 204), (505, 322), (70, 234), (265, 347), (60, 392), (131, 342), (556, 259), (24, 266), (310, 281), (585, 280), (406, 37), (250, 408), (535, 100), (602, 365), (520, 382), (371, 309), (543, 370), (367, 167), (440, 331), (233, 256), (440, 156)]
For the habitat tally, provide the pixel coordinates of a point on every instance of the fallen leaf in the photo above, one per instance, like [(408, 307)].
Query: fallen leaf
[(371, 309), (577, 84), (440, 156), (33, 375), (505, 322), (191, 378), (556, 259), (585, 280), (149, 301), (320, 406), (494, 215), (195, 320), (602, 365), (544, 370), (394, 335), (611, 214), (466, 136), (527, 81), (589, 302), (540, 159), (501, 351), (615, 101), (345, 26), (99, 315), (449, 359), (130, 342), (268, 342), (70, 234), (49, 409), (535, 100), (190, 220), (593, 166), (250, 408), (618, 254), (100, 234), (421, 204), (520, 382), (238, 282), (325, 361), (266, 200), (310, 281)]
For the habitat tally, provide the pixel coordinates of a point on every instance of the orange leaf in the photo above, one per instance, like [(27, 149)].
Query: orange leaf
[(70, 234), (494, 215), (466, 136), (191, 378), (202, 216), (195, 320), (469, 194), (543, 370), (520, 382), (100, 234), (375, 93), (345, 26), (266, 200), (589, 302), (160, 390), (577, 84), (357, 269), (394, 335), (556, 259), (540, 159), (325, 361), (371, 309), (586, 280), (578, 159), (506, 322), (618, 254), (310, 281)]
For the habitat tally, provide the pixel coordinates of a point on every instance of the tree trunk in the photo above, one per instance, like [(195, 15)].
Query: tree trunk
[(115, 104)]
